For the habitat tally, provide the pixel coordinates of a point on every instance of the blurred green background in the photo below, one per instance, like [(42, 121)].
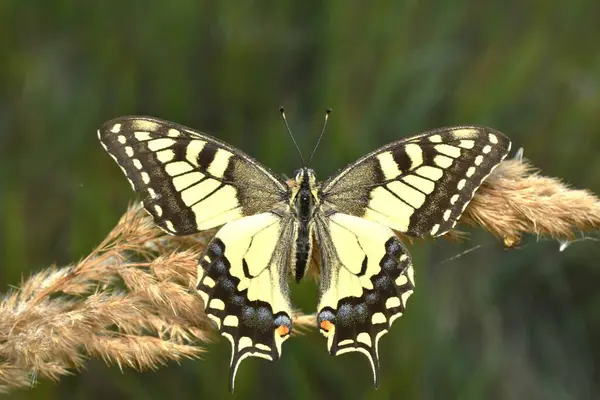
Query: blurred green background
[(520, 324)]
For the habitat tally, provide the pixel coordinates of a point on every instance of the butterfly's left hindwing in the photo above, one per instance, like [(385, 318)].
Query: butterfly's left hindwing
[(419, 185), (242, 279), (366, 280), (190, 181)]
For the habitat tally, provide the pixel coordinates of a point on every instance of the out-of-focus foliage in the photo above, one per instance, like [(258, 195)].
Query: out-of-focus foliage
[(491, 324)]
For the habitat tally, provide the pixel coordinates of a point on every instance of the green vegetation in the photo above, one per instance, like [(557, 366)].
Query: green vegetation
[(491, 324)]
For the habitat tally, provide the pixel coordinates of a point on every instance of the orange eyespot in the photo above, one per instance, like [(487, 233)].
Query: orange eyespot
[(327, 326), (282, 330)]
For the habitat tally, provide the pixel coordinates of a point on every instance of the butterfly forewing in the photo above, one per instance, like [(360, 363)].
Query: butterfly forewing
[(420, 185), (191, 181)]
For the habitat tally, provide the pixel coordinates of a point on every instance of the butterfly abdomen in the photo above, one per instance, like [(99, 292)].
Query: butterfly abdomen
[(304, 207), (303, 250)]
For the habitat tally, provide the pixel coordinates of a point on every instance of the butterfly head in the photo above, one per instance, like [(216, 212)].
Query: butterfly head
[(304, 193), (305, 176)]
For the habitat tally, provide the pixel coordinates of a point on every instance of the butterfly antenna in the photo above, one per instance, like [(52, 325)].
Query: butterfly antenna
[(281, 110), (321, 135)]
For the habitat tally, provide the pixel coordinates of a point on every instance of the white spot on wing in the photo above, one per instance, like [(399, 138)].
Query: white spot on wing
[(173, 133), (447, 214), (159, 144), (217, 304), (165, 156), (388, 165), (432, 173), (171, 228), (435, 139), (402, 280), (116, 128), (448, 150), (364, 338), (442, 161), (208, 281), (424, 185), (378, 318), (244, 342), (465, 133), (142, 136), (218, 166), (231, 320), (415, 153), (178, 168), (263, 347), (392, 302), (467, 144), (193, 149), (411, 196)]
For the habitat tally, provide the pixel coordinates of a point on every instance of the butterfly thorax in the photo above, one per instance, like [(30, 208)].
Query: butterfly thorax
[(304, 201)]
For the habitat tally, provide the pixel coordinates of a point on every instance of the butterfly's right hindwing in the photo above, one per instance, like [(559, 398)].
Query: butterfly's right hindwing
[(242, 279), (191, 181)]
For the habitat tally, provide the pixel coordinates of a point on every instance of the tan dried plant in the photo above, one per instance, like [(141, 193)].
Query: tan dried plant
[(132, 301)]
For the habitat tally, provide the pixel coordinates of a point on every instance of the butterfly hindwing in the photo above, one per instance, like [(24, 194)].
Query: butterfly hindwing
[(242, 278), (366, 279), (420, 185), (191, 181)]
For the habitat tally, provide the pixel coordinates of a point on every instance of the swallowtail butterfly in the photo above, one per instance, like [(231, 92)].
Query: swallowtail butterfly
[(191, 182)]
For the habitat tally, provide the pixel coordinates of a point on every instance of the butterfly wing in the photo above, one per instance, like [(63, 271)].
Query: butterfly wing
[(191, 181), (242, 279), (366, 279), (420, 185)]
